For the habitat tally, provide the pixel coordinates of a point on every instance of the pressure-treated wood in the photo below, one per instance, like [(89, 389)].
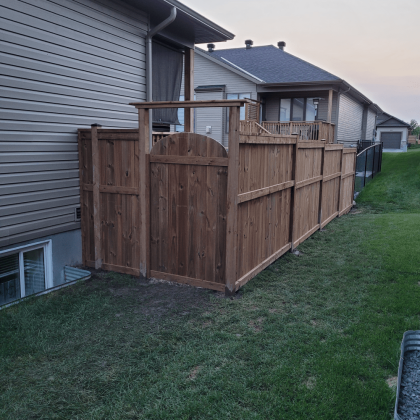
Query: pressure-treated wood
[(232, 200), (331, 183), (330, 102), (188, 217), (191, 104), (117, 187), (96, 167), (190, 212), (264, 197), (305, 130), (347, 180)]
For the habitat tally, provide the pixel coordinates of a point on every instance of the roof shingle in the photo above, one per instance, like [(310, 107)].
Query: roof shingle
[(273, 65)]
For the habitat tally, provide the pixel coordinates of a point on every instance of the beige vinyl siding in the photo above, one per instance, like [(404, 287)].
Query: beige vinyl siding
[(208, 73), (350, 118), (212, 117), (65, 65), (370, 125)]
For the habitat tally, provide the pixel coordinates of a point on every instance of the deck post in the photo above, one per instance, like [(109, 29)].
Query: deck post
[(144, 189), (96, 170), (189, 89), (330, 100), (232, 202)]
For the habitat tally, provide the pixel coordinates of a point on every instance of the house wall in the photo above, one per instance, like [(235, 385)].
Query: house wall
[(65, 65), (208, 73), (213, 117), (349, 128), (370, 125)]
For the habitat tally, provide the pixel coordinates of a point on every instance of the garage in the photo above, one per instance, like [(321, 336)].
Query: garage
[(391, 140)]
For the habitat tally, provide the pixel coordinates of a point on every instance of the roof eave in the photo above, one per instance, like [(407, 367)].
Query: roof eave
[(292, 84), (201, 19)]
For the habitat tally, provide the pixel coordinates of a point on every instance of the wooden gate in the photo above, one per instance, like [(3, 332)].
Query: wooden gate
[(188, 191)]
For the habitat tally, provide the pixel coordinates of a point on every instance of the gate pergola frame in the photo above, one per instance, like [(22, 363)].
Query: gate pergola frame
[(234, 106)]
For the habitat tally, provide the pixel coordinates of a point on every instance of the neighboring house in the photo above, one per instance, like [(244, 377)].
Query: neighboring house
[(290, 89), (67, 64), (392, 132)]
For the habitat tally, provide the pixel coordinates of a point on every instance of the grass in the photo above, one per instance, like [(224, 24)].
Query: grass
[(312, 337)]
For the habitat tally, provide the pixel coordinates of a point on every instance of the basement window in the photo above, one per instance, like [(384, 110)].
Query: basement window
[(25, 271)]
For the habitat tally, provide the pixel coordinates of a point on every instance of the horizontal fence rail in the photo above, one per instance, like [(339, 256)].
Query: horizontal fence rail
[(368, 164), (190, 212)]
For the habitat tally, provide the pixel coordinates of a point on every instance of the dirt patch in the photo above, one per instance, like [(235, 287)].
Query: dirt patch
[(310, 382), (256, 325), (392, 381), (193, 374), (152, 300)]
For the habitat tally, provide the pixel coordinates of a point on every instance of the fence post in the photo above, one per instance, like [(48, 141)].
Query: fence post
[(340, 181), (292, 195), (373, 164), (96, 171), (366, 159), (321, 185), (232, 202), (354, 176), (144, 190)]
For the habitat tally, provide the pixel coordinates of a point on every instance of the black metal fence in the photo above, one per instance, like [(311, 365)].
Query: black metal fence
[(368, 164), (364, 144)]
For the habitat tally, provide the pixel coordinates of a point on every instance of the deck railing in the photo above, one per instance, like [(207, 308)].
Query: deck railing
[(306, 130)]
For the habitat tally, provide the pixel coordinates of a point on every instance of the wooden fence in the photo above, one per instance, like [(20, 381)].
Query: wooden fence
[(190, 212)]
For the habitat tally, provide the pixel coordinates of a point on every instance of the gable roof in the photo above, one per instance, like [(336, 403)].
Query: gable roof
[(388, 120), (272, 65)]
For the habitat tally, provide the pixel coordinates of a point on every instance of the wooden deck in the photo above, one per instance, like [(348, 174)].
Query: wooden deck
[(306, 130)]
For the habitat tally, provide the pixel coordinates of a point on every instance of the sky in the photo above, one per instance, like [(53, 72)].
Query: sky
[(372, 44)]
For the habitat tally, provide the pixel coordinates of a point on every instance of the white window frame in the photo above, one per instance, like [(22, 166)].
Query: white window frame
[(48, 265)]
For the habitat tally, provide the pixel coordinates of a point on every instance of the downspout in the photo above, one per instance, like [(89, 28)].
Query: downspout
[(149, 84)]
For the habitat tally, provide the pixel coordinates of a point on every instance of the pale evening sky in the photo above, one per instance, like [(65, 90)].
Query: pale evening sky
[(372, 44)]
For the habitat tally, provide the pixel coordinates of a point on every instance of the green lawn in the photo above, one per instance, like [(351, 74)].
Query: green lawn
[(312, 337)]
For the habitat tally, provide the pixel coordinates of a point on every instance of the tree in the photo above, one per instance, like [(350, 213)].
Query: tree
[(414, 127)]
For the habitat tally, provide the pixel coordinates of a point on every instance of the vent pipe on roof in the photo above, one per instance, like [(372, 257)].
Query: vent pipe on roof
[(211, 47), (281, 45), (249, 44)]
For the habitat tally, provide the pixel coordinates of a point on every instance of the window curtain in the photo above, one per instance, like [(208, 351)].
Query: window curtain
[(167, 74)]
